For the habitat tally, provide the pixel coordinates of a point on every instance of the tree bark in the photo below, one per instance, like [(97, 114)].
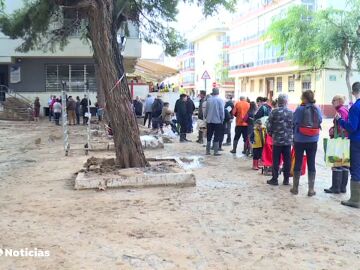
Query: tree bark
[(348, 82), (118, 105)]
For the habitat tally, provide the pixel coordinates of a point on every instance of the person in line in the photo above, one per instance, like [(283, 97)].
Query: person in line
[(37, 109), (190, 108), (157, 108), (166, 114), (85, 103), (71, 108), (148, 109), (215, 116), (77, 110), (201, 116), (229, 106), (240, 111), (307, 123), (181, 116), (280, 128), (227, 118), (50, 103), (340, 174), (57, 111), (352, 125), (257, 139), (138, 107), (264, 109), (250, 129)]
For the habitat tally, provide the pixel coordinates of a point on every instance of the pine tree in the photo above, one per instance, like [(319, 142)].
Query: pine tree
[(101, 21)]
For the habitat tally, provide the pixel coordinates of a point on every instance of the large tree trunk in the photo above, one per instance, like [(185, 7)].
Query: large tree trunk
[(348, 83), (102, 30)]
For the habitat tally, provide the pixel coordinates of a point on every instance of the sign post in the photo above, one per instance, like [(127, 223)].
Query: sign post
[(205, 77)]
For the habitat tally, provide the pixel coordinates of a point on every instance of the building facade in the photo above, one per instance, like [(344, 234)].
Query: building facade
[(39, 73), (259, 70), (207, 53)]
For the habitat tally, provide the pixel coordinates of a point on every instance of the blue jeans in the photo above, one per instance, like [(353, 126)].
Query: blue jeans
[(355, 161)]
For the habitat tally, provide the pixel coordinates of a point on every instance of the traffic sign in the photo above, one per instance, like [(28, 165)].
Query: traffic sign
[(205, 76)]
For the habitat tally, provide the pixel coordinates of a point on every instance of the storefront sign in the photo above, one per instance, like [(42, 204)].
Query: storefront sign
[(15, 74)]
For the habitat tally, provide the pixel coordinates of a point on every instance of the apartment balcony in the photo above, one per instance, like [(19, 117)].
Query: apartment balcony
[(258, 63)]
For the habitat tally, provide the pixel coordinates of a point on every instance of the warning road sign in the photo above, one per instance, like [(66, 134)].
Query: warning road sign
[(205, 76)]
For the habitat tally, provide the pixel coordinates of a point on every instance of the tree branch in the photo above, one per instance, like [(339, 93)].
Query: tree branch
[(81, 4)]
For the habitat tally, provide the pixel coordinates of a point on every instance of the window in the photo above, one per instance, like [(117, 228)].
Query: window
[(252, 86), (75, 77), (261, 85), (306, 82), (279, 84), (291, 84), (309, 4)]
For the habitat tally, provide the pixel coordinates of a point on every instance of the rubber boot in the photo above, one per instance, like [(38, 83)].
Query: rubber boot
[(255, 166), (182, 138), (235, 143), (311, 183), (273, 182), (344, 180), (286, 181), (244, 149), (337, 175), (354, 200), (228, 141), (201, 137), (296, 179), (208, 147), (216, 149)]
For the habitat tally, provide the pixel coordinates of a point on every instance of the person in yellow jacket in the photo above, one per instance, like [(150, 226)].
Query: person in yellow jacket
[(257, 140)]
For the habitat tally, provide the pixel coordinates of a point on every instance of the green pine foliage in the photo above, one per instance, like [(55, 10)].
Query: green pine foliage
[(37, 23)]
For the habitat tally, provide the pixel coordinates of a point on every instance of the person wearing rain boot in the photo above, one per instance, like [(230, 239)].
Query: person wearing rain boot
[(280, 128), (200, 139), (214, 115), (353, 127), (340, 174), (307, 123), (257, 139), (240, 111), (182, 116)]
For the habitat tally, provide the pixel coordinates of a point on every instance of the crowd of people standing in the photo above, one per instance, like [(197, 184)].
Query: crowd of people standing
[(292, 136)]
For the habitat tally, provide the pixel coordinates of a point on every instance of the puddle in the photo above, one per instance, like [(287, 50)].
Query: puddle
[(191, 162)]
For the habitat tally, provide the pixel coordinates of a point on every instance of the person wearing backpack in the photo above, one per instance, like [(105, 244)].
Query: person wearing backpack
[(352, 125), (307, 125)]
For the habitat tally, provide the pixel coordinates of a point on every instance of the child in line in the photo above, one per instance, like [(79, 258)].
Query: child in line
[(257, 140)]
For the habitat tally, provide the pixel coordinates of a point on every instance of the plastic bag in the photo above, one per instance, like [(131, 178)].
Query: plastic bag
[(337, 152)]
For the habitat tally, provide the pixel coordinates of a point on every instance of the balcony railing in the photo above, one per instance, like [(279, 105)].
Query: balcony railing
[(258, 63)]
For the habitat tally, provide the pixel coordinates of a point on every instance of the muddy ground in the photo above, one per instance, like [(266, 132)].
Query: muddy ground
[(230, 220)]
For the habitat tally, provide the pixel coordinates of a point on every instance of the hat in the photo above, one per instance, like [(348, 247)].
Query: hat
[(258, 122), (215, 91)]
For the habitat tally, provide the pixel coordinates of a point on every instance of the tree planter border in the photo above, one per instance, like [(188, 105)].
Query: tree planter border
[(135, 178)]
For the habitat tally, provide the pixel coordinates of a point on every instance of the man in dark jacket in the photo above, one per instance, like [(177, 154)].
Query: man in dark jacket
[(156, 113), (84, 107), (190, 108), (182, 116), (201, 115), (138, 107), (280, 128)]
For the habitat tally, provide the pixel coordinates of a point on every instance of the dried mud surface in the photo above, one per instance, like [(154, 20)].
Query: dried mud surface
[(230, 220)]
